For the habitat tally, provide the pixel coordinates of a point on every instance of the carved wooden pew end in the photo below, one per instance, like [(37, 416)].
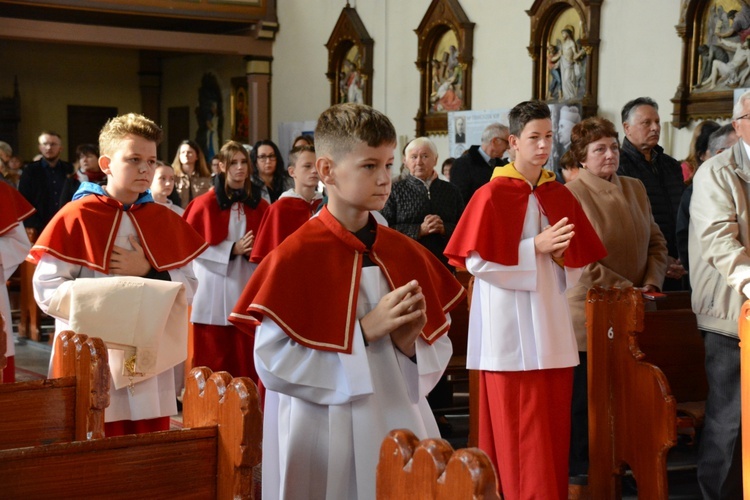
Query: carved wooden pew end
[(430, 469)]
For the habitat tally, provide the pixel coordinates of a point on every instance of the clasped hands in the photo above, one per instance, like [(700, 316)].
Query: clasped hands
[(554, 240), (400, 314), (430, 225)]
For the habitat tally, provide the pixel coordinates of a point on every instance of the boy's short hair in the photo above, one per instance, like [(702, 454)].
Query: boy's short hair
[(342, 126), (295, 153), (120, 126), (527, 111), (86, 149)]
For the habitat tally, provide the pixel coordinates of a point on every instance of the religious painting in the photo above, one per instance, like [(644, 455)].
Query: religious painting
[(210, 116), (565, 50), (444, 59), (716, 58), (240, 115), (350, 50), (446, 84)]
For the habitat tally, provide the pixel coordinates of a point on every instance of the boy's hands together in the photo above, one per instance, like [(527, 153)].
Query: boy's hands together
[(129, 262), (554, 240), (400, 314)]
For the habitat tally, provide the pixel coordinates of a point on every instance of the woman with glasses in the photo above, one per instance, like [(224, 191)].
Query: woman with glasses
[(268, 170), (192, 176)]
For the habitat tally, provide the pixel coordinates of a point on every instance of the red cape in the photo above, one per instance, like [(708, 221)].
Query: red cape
[(492, 223), (281, 219), (309, 285), (83, 232), (211, 222), (14, 208)]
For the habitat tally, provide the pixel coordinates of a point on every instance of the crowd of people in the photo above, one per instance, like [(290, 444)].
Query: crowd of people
[(337, 301)]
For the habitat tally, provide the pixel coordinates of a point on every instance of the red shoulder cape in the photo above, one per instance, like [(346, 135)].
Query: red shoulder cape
[(83, 232), (492, 223), (309, 285), (14, 208), (281, 219), (211, 222)]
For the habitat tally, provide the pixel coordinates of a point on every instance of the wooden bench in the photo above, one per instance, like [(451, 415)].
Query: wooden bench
[(744, 332), (63, 409), (430, 470), (213, 457), (640, 366)]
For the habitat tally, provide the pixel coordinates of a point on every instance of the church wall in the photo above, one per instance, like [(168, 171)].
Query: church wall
[(51, 77), (640, 55)]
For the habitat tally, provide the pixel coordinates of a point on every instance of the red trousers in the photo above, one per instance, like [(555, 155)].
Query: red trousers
[(524, 426), (9, 372), (224, 348), (122, 427)]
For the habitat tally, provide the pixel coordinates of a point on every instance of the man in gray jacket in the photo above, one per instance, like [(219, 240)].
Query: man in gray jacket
[(719, 248)]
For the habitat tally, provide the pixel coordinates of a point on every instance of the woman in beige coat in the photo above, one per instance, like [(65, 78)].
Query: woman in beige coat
[(620, 212)]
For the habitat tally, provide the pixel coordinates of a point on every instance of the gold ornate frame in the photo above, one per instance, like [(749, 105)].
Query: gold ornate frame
[(350, 36), (441, 18), (693, 101), (544, 16)]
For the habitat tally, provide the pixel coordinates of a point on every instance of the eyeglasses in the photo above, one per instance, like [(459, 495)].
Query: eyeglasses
[(744, 117), (266, 157)]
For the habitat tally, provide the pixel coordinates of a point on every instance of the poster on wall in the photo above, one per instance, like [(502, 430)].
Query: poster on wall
[(564, 118), (737, 94), (288, 131), (465, 127)]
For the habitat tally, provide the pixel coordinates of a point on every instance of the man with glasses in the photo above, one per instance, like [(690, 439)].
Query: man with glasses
[(474, 168), (42, 182), (719, 239), (642, 157)]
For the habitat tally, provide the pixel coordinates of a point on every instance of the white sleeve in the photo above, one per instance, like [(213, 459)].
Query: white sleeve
[(432, 360), (216, 257), (522, 276), (186, 276), (52, 279), (321, 377), (14, 246)]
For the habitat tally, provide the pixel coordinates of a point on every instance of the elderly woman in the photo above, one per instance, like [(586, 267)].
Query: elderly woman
[(421, 205), (619, 210), (192, 177)]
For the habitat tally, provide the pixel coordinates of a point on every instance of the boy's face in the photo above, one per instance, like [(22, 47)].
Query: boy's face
[(359, 180), (130, 168), (533, 145), (163, 182), (303, 171)]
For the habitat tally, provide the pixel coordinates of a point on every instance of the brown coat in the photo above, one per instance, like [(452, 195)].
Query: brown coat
[(620, 212)]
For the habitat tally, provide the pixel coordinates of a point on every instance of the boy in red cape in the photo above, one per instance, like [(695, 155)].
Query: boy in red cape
[(353, 317), (118, 230), (14, 245), (525, 238), (294, 207)]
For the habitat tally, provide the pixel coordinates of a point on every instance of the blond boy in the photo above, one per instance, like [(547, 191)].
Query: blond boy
[(352, 324)]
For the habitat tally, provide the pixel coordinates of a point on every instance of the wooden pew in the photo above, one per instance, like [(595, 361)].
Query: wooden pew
[(63, 409), (430, 470), (640, 366), (744, 332), (3, 347), (213, 457)]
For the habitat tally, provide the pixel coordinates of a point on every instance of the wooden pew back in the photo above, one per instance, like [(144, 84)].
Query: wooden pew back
[(58, 410), (213, 460), (744, 332), (431, 470), (640, 366)]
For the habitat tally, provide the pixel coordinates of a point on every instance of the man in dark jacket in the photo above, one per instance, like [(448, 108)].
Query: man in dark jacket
[(474, 169), (42, 182), (644, 159)]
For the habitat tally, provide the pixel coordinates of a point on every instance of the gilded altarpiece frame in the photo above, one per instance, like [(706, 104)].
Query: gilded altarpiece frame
[(350, 50), (444, 60), (564, 47), (715, 58)]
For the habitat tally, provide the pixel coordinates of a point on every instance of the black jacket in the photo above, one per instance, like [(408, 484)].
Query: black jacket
[(470, 172), (43, 186)]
